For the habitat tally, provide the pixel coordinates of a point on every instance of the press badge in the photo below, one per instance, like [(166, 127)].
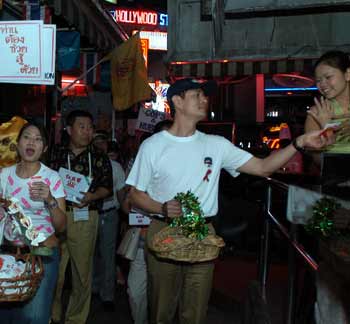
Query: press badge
[(81, 214)]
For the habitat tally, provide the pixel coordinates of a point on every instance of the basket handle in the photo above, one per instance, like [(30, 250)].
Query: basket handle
[(20, 256), (40, 263)]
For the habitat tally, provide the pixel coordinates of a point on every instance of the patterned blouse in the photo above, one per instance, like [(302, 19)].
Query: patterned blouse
[(16, 187), (100, 165)]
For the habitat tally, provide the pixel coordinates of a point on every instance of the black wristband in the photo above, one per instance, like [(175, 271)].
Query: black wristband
[(297, 147)]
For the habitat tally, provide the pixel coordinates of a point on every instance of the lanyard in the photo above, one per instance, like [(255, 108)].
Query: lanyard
[(69, 166)]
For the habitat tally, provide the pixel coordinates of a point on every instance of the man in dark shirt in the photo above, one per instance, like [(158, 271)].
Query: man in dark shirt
[(82, 218)]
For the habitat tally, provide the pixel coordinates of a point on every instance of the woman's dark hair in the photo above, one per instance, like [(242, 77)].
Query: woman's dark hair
[(41, 129), (336, 59), (73, 115)]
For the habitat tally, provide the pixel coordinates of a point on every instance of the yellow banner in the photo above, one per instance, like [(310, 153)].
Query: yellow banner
[(129, 74)]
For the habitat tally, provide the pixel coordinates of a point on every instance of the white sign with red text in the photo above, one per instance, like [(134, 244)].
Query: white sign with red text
[(74, 184), (138, 219), (27, 52)]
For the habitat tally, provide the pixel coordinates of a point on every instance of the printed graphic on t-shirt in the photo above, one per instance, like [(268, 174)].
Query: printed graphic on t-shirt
[(208, 161), (19, 189), (16, 191)]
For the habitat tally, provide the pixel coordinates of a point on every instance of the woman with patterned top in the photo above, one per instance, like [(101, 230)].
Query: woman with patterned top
[(40, 194)]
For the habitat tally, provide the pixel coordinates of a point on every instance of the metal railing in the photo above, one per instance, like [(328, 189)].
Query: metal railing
[(291, 235)]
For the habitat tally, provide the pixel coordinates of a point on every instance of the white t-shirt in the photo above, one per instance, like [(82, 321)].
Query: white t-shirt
[(118, 183), (166, 165), (17, 187)]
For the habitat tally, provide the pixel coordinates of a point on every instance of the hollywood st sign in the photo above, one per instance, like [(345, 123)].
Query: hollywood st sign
[(139, 17)]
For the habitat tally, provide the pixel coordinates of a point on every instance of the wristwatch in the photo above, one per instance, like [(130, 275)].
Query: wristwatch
[(297, 147), (52, 204)]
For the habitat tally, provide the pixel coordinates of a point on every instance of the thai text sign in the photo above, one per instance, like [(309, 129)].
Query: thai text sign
[(148, 118), (27, 52)]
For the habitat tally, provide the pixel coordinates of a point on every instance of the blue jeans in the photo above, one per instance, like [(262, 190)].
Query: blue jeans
[(38, 309)]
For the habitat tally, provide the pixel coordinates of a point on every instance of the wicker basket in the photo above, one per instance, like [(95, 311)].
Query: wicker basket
[(22, 287), (170, 244)]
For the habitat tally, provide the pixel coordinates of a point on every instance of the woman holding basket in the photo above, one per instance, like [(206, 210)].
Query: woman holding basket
[(37, 192)]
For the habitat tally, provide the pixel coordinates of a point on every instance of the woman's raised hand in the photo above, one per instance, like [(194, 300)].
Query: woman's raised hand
[(322, 112)]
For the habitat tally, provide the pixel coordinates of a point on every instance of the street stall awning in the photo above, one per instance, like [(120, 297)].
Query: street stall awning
[(10, 10), (224, 68), (92, 21)]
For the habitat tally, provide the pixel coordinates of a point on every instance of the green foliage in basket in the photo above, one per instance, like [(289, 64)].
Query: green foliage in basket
[(322, 221), (192, 223)]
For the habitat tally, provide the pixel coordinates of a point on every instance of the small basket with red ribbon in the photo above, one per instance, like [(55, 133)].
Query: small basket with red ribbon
[(20, 276), (21, 269)]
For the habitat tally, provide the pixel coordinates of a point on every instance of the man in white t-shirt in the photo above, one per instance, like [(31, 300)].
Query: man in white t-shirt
[(183, 159)]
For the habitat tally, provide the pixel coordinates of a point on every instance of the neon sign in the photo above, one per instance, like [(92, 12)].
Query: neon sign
[(157, 39), (144, 47), (163, 19), (139, 17)]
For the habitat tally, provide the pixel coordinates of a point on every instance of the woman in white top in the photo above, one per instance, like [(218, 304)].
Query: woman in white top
[(40, 194)]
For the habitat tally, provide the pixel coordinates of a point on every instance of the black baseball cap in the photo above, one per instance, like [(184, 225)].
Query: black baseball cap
[(182, 85)]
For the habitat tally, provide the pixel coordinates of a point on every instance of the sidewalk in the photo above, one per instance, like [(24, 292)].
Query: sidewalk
[(233, 275), (217, 313)]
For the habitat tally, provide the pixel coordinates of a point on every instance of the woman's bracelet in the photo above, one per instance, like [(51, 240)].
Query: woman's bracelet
[(52, 204)]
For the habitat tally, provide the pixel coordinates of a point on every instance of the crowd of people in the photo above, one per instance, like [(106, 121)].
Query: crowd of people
[(82, 234)]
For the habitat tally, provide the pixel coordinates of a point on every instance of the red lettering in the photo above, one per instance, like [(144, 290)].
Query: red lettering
[(136, 17)]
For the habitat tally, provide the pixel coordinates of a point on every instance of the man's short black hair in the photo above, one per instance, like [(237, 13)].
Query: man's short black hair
[(73, 115)]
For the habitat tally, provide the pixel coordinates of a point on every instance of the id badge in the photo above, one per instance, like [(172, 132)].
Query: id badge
[(81, 214)]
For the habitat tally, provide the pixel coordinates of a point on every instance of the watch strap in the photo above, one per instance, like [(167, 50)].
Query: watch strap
[(297, 147)]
